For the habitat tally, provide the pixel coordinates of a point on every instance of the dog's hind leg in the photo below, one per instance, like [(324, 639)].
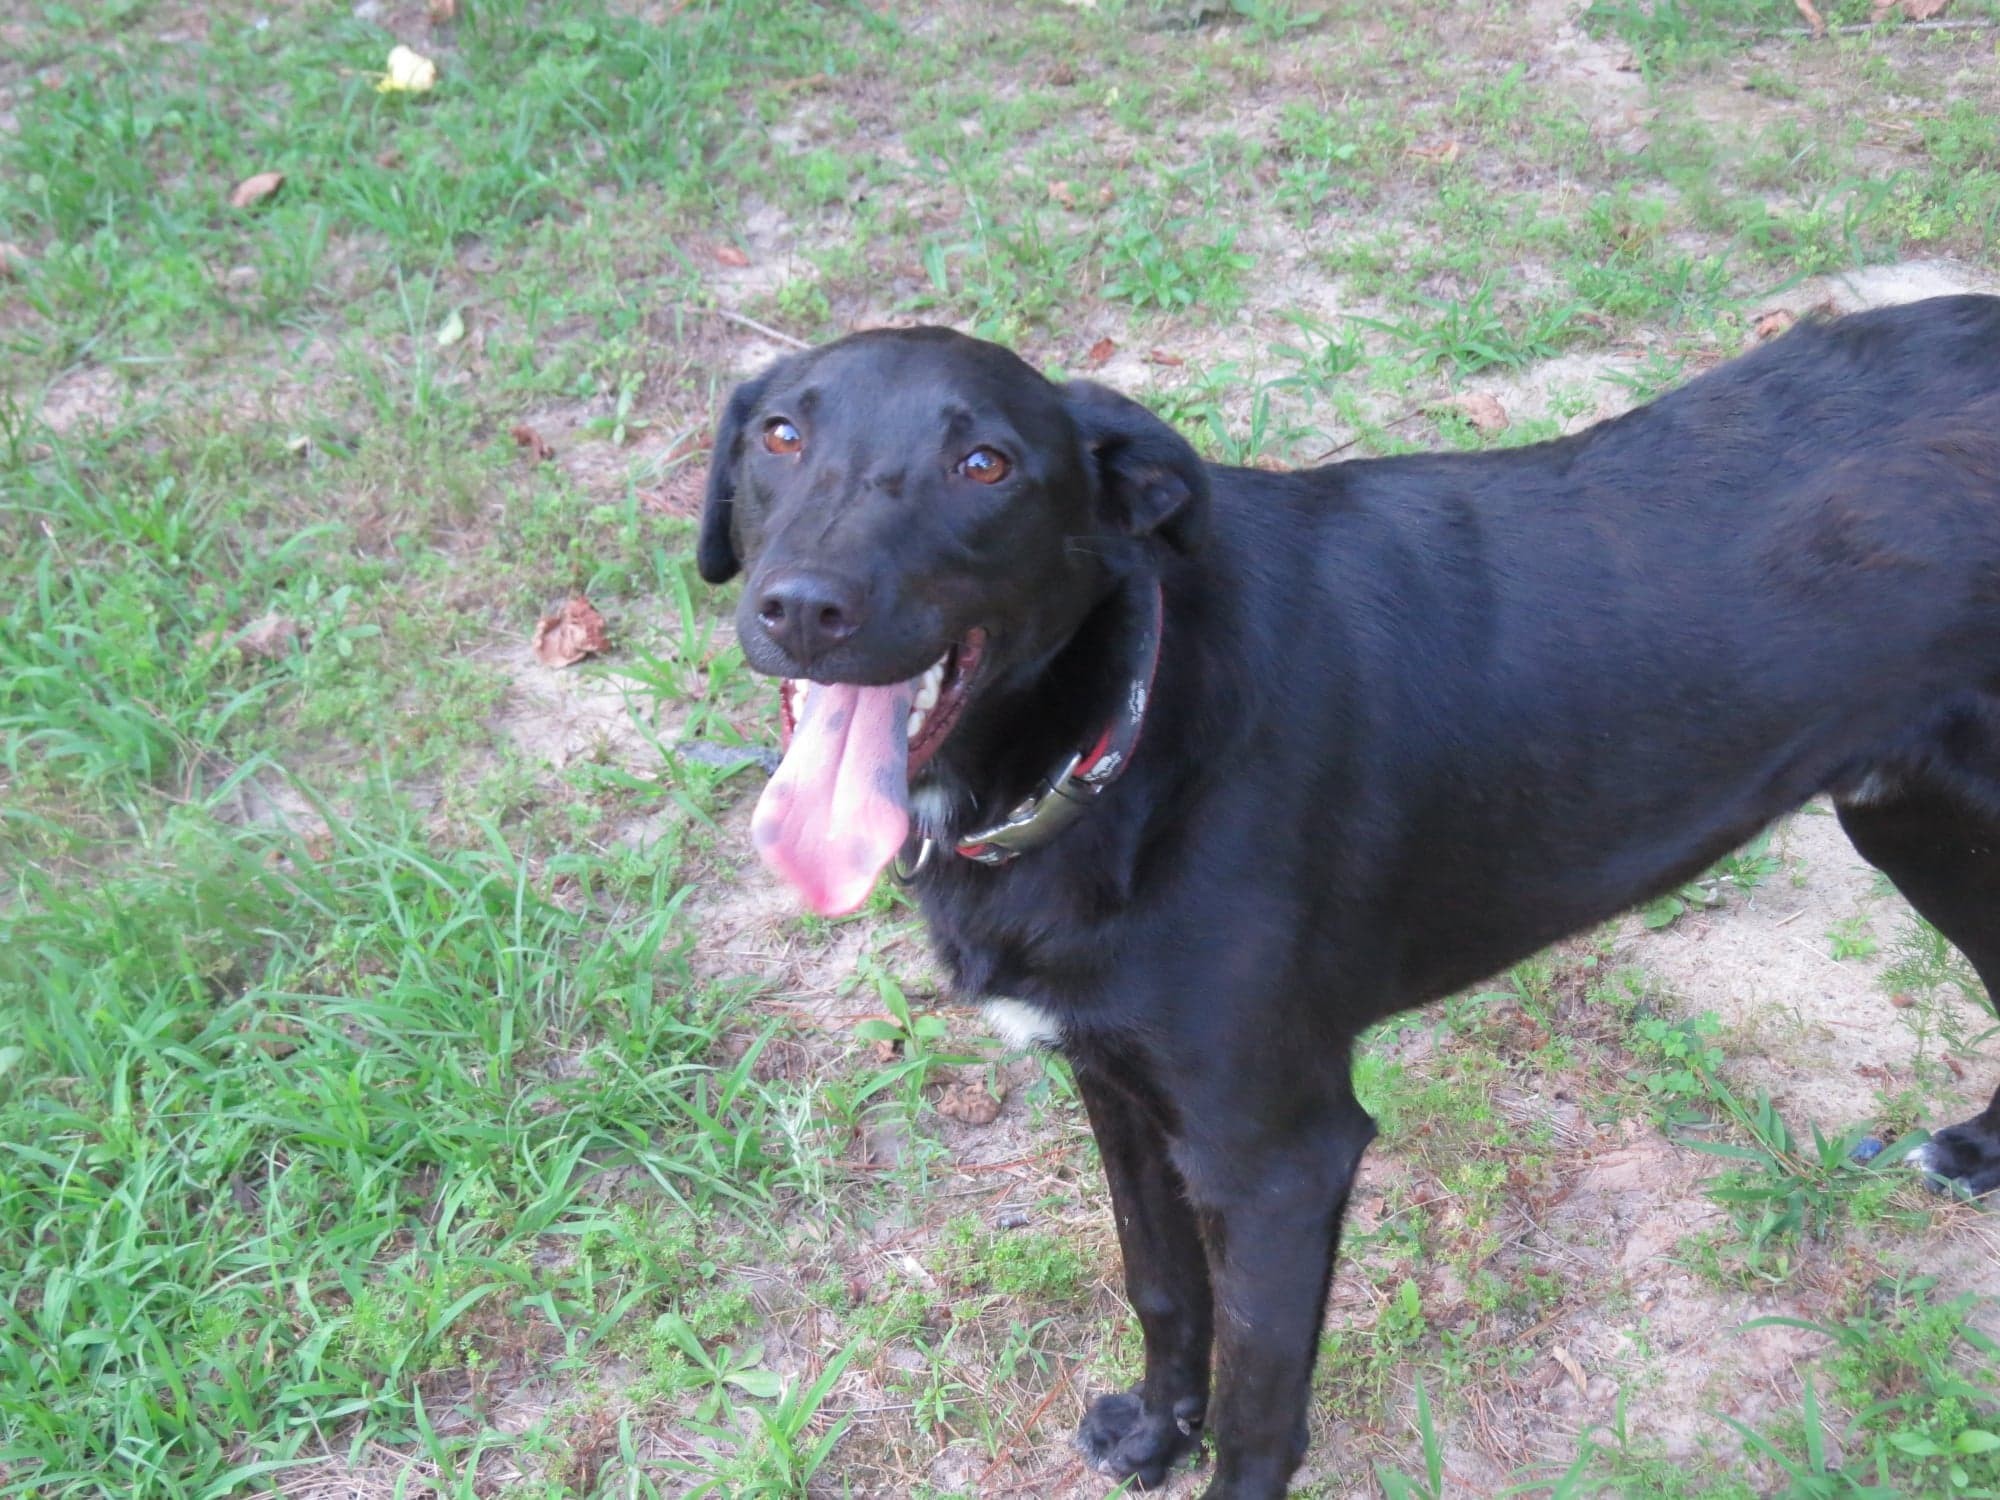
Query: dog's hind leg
[(1944, 856), (1140, 1433)]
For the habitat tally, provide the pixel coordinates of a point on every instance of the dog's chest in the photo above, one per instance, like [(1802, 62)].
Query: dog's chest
[(1022, 1025), (1024, 942)]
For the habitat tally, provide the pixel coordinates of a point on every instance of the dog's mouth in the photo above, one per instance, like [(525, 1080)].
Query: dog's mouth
[(938, 696), (838, 809)]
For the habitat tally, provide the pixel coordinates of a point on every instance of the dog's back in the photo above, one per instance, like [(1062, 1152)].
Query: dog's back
[(1478, 655)]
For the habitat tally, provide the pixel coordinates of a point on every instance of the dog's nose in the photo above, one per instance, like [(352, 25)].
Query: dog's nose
[(808, 613)]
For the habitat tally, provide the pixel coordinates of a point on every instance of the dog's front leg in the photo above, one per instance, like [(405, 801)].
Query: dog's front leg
[(1270, 1191), (1140, 1433)]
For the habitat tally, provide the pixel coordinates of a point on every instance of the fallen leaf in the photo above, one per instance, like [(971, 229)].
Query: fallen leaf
[(1902, 1000), (1567, 1360), (730, 256), (1484, 412), (1812, 16), (1062, 75), (452, 330), (409, 73), (1773, 323), (1161, 357), (1100, 351), (538, 446), (1063, 193), (443, 12), (273, 1038), (389, 157), (270, 636), (13, 260), (971, 1102), (570, 634), (1444, 152), (252, 191)]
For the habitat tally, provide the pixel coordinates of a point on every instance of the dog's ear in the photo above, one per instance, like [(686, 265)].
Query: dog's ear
[(715, 551), (1150, 479)]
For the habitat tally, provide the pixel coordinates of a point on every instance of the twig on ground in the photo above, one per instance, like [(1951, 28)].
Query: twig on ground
[(1861, 28), (746, 322)]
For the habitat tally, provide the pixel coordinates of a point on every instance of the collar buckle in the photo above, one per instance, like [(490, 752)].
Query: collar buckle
[(1035, 820)]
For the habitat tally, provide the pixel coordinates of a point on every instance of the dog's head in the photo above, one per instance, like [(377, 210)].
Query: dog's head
[(919, 515)]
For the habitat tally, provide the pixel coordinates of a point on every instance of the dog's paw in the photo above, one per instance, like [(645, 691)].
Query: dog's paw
[(1125, 1440), (1966, 1156)]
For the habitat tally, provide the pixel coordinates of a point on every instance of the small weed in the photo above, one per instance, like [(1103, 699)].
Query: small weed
[(1471, 334), (1175, 265), (1045, 1268), (1850, 938)]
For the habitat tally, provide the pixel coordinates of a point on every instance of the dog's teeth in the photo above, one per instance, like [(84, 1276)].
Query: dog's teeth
[(916, 722), (927, 696)]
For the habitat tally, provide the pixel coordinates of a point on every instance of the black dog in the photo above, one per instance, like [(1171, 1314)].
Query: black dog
[(1213, 768)]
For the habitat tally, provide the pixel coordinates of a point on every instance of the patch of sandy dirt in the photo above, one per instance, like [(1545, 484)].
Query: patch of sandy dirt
[(562, 715), (1818, 1033)]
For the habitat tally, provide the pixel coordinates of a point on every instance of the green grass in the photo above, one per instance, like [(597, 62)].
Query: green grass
[(400, 1082)]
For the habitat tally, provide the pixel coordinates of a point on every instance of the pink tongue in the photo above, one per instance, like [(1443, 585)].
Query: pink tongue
[(839, 807)]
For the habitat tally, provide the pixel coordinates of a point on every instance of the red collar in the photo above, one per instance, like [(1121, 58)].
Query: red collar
[(1063, 797)]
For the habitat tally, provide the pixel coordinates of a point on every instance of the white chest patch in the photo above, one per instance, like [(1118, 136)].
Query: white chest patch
[(1020, 1024)]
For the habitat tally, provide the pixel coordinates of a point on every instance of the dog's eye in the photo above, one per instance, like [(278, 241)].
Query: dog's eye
[(781, 436), (984, 465)]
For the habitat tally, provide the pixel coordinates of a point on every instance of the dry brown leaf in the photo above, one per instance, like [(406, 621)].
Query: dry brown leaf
[(1161, 357), (270, 636), (1567, 1360), (13, 260), (730, 256), (537, 446), (1099, 352), (1063, 193), (570, 634), (252, 191), (1483, 411), (1902, 1000), (1812, 17), (273, 1038), (1443, 152), (971, 1102), (389, 157), (443, 12), (1769, 325)]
